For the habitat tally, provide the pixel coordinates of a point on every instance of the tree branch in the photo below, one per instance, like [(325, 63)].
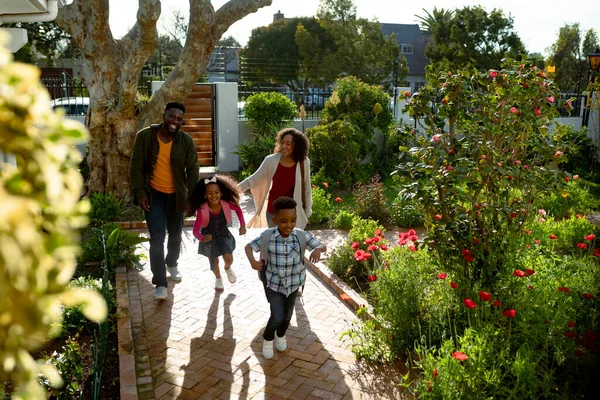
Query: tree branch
[(233, 11)]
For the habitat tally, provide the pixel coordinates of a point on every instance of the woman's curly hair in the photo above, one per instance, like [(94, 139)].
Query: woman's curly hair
[(227, 185), (300, 143)]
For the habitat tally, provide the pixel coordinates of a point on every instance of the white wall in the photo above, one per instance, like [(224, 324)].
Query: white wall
[(226, 124)]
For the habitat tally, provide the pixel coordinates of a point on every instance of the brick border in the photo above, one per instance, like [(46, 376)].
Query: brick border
[(127, 374), (132, 225)]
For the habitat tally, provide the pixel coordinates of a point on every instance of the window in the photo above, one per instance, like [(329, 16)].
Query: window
[(406, 49)]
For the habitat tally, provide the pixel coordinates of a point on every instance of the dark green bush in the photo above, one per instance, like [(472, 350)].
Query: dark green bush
[(267, 109), (576, 199), (343, 220), (406, 213), (321, 206), (253, 152), (105, 207), (580, 151)]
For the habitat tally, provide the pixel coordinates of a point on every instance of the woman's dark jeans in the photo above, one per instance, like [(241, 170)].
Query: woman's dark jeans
[(163, 218), (282, 309)]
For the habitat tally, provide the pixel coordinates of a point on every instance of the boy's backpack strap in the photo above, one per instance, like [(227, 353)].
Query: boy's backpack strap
[(302, 241), (264, 244)]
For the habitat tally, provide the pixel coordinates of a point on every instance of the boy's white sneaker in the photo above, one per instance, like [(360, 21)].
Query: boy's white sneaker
[(280, 343), (268, 349), (161, 293), (230, 275), (219, 284), (174, 274)]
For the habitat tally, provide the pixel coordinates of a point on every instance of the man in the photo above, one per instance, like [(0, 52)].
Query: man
[(163, 173)]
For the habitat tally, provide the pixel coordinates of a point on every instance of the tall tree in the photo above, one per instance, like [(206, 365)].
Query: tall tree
[(471, 37), (112, 68), (44, 38), (566, 56)]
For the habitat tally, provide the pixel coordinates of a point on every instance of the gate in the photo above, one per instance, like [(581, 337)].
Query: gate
[(199, 122)]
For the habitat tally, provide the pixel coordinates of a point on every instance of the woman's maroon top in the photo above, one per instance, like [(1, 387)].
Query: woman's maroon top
[(284, 181)]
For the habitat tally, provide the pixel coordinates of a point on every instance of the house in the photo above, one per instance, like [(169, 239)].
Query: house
[(224, 65), (412, 45)]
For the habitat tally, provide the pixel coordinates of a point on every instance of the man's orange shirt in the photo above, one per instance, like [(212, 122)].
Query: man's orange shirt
[(162, 176)]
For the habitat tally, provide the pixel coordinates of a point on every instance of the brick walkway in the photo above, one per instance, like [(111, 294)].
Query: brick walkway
[(199, 344)]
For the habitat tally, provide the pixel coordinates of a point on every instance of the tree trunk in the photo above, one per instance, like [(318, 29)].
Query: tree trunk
[(112, 69)]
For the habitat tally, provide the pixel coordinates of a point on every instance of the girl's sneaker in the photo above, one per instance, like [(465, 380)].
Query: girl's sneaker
[(219, 284), (230, 275)]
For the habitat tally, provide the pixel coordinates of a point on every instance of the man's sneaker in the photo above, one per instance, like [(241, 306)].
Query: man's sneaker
[(174, 274), (219, 284), (268, 349), (280, 343), (230, 275), (161, 293)]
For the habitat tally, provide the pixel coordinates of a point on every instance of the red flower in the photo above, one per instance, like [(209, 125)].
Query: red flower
[(460, 356), (438, 216), (412, 248), (325, 185), (546, 322), (566, 290), (582, 246), (597, 252), (355, 245), (470, 303), (537, 111), (411, 232), (484, 296), (493, 74), (436, 138), (383, 247), (579, 353), (560, 289), (569, 334), (373, 247), (527, 232), (513, 215), (513, 110), (368, 241), (475, 240), (510, 313), (519, 273), (530, 287), (413, 238), (497, 303), (553, 236), (558, 153), (537, 241), (550, 99), (529, 272), (590, 237), (372, 278), (435, 373), (571, 324), (588, 296), (402, 242), (442, 276), (377, 232), (454, 285), (407, 94), (567, 178), (403, 235), (338, 199), (449, 167)]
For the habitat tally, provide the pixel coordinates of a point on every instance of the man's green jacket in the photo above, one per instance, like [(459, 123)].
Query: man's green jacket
[(184, 164)]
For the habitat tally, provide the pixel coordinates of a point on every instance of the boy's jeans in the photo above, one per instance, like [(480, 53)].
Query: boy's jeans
[(282, 309), (163, 218)]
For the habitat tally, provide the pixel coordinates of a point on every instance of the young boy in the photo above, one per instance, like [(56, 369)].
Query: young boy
[(285, 272)]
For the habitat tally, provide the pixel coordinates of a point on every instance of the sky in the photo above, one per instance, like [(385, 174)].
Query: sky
[(536, 22)]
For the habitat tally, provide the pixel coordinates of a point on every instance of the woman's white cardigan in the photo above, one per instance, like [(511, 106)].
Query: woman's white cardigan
[(259, 184)]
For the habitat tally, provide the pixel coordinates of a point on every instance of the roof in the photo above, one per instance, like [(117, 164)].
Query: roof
[(410, 34)]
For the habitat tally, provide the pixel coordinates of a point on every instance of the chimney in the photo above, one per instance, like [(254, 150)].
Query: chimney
[(278, 17)]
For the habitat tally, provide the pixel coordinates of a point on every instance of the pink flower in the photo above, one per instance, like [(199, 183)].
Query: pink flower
[(558, 153), (537, 111), (449, 167), (402, 242), (377, 232), (493, 74), (513, 110), (510, 313), (325, 185), (542, 220), (438, 216), (368, 241), (460, 356), (373, 247), (550, 99), (575, 177), (411, 232), (541, 211), (442, 276), (527, 232), (436, 138), (355, 245)]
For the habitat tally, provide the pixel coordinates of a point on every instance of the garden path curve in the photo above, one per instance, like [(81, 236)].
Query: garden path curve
[(199, 344)]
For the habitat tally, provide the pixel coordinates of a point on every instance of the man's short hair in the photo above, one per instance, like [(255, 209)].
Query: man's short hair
[(175, 104), (284, 203)]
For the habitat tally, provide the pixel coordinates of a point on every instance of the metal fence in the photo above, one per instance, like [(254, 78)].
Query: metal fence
[(313, 99)]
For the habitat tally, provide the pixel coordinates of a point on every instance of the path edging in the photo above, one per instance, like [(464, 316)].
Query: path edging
[(127, 373)]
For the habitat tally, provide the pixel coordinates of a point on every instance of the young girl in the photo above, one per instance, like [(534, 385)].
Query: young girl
[(213, 199)]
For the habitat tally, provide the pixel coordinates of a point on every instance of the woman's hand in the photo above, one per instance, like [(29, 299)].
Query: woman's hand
[(207, 238), (242, 230)]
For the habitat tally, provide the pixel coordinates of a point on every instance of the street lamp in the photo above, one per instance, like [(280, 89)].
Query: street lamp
[(594, 59)]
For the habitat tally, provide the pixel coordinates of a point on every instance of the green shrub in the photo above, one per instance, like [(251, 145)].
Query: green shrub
[(338, 150), (575, 199), (253, 152), (321, 206), (267, 109), (343, 220), (120, 245), (580, 152), (105, 207), (371, 203), (406, 213)]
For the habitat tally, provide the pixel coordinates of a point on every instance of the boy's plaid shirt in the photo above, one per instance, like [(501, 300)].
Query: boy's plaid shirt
[(285, 271)]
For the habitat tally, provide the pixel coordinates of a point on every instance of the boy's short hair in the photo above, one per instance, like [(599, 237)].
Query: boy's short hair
[(284, 203), (175, 104)]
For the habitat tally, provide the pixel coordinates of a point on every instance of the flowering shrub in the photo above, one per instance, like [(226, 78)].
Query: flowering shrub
[(574, 199), (371, 203), (478, 175)]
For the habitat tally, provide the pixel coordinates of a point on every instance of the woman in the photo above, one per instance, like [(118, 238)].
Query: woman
[(284, 173)]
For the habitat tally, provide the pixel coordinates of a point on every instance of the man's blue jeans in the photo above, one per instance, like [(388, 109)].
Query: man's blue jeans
[(282, 309), (163, 218)]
